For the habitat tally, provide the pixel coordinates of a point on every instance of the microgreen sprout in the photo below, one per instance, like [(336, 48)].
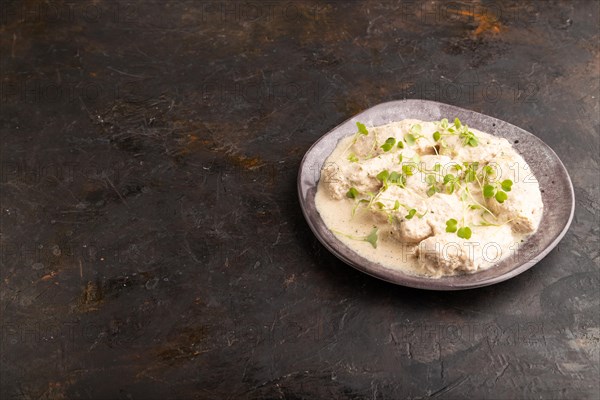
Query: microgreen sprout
[(451, 225), (411, 213), (352, 193), (408, 169), (367, 201), (413, 134), (362, 129), (450, 183), (469, 138), (383, 176), (389, 143), (497, 190), (352, 157), (370, 238), (463, 232), (458, 128), (470, 173), (410, 139)]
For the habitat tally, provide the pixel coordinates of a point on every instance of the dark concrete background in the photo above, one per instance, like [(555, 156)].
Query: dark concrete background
[(152, 244)]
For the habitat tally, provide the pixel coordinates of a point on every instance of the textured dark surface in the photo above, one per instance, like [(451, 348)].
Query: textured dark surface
[(152, 243)]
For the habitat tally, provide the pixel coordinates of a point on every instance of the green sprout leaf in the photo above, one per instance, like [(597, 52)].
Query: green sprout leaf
[(468, 137), (352, 193), (396, 205), (437, 167), (410, 139), (488, 191), (383, 175), (457, 123), (501, 196), (400, 156), (430, 179), (362, 129), (416, 129), (396, 178), (451, 225), (400, 144), (389, 143), (507, 185), (464, 232), (352, 157), (448, 178), (372, 238), (431, 191), (408, 169), (411, 213), (436, 136)]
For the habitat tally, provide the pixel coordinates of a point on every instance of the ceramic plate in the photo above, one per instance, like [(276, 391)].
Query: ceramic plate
[(554, 181)]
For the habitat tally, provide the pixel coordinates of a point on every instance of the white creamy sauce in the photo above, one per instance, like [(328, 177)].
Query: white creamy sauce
[(389, 184)]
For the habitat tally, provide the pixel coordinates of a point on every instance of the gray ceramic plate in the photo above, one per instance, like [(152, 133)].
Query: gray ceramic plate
[(559, 202)]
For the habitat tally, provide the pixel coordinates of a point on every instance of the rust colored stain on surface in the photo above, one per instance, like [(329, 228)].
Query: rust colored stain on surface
[(485, 22)]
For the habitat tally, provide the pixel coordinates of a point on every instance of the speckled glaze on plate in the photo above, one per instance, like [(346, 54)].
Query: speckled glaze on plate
[(559, 203)]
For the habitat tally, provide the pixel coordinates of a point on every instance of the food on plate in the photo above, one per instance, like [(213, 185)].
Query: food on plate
[(430, 198)]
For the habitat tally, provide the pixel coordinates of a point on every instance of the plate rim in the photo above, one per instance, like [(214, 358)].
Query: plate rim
[(422, 282)]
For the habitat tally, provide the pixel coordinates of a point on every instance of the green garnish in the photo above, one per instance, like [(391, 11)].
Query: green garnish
[(436, 136), (471, 171), (372, 237), (352, 157), (507, 185), (389, 143), (400, 144), (397, 178), (362, 129), (498, 191), (383, 175), (468, 137), (409, 138), (451, 225), (464, 232), (411, 213), (352, 193), (408, 169), (488, 191), (501, 196), (450, 182)]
